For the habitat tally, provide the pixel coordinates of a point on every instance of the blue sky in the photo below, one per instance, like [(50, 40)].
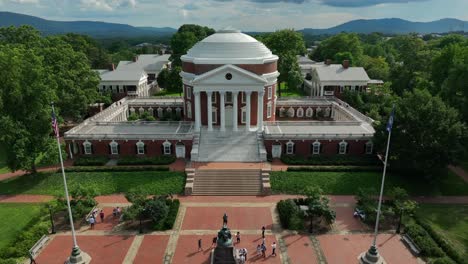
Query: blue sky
[(247, 15)]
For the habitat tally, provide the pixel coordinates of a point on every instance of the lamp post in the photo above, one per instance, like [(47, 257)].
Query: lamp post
[(52, 225)]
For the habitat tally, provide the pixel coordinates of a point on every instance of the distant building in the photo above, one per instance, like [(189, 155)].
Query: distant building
[(133, 78)]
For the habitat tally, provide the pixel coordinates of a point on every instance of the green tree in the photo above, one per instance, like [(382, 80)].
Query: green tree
[(426, 135), (26, 91), (376, 68), (174, 81), (184, 39), (341, 56), (344, 42), (163, 77), (402, 204), (318, 207), (97, 56)]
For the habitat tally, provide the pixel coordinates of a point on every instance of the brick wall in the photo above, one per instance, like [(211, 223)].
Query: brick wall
[(304, 147)]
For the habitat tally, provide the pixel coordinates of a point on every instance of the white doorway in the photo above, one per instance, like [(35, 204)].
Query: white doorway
[(276, 151), (228, 116), (180, 150)]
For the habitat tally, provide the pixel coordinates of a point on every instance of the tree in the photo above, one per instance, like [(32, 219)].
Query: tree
[(318, 206), (163, 77), (376, 68), (341, 56), (97, 56), (184, 39), (174, 81), (402, 204), (426, 134), (294, 79), (344, 42)]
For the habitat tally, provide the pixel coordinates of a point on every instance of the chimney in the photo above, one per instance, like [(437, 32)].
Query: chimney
[(135, 58), (346, 64), (112, 67), (328, 62)]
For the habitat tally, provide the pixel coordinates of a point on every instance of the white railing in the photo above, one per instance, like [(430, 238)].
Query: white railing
[(312, 123), (318, 135)]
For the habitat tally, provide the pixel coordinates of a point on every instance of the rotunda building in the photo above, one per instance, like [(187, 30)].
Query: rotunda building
[(229, 82)]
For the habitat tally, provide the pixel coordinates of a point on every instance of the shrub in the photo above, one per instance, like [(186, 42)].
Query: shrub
[(427, 245), (91, 161), (115, 168), (444, 260), (441, 241), (159, 160), (290, 215), (336, 168), (172, 215), (331, 160)]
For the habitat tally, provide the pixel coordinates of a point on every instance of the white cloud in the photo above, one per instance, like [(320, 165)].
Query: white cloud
[(25, 1), (106, 5)]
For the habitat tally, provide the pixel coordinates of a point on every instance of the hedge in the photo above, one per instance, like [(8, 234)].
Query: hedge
[(91, 161), (171, 217), (290, 215), (331, 160), (159, 160), (336, 168), (444, 260), (115, 168), (442, 242), (428, 246)]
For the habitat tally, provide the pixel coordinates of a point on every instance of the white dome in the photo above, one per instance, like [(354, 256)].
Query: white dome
[(229, 46)]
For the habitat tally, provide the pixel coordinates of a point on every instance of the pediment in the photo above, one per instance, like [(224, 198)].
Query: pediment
[(238, 75)]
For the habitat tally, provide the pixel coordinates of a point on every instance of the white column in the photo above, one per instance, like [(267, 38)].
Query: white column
[(209, 111), (247, 104), (222, 106), (321, 90), (260, 110), (197, 111), (234, 110)]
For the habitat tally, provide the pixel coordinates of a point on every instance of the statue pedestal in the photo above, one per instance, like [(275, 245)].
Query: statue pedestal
[(78, 257), (371, 256)]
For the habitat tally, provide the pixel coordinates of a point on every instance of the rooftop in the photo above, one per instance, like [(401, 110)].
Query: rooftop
[(336, 72)]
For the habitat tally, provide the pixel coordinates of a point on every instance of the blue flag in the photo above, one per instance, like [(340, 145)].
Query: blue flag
[(390, 120)]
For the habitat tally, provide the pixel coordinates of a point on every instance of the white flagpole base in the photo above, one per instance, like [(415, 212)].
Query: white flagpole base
[(78, 257)]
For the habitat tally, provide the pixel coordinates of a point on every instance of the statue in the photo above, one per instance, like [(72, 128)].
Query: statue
[(225, 219), (224, 251)]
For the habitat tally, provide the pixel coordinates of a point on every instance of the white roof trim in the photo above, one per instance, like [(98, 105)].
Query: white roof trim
[(233, 68)]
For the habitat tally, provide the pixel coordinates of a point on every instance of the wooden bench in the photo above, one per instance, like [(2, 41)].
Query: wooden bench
[(37, 247), (414, 249)]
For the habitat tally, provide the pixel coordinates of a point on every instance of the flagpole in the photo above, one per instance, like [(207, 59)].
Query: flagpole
[(76, 252)]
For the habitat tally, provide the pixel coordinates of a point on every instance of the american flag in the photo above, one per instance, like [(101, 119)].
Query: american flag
[(55, 125)]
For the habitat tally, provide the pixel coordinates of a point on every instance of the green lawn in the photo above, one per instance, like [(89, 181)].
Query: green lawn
[(147, 182), (449, 220), (287, 92), (14, 217), (348, 183), (166, 93), (3, 166)]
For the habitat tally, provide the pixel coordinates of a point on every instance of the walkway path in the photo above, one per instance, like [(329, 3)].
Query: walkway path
[(459, 171)]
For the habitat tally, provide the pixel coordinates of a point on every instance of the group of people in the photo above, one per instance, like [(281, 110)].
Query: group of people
[(92, 219)]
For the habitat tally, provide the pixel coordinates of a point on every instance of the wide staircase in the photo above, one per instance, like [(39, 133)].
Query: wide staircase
[(227, 182)]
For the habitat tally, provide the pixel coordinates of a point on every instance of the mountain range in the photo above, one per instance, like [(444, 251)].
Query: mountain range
[(104, 29)]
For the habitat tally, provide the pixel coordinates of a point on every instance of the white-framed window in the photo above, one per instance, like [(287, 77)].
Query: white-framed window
[(243, 97), (167, 148), (269, 110), (228, 97), (290, 147), (121, 89), (291, 112), (151, 111), (243, 116), (87, 148), (111, 89), (114, 148), (140, 148), (341, 89), (132, 110), (213, 97), (188, 91), (160, 112), (103, 88), (342, 147), (141, 110), (270, 92), (369, 147), (189, 109), (316, 148), (327, 112), (309, 112), (214, 115), (300, 112), (282, 112), (177, 110), (169, 110)]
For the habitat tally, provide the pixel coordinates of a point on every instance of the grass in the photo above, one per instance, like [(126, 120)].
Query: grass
[(166, 93), (289, 92), (146, 182), (3, 165), (15, 217), (348, 183), (451, 221)]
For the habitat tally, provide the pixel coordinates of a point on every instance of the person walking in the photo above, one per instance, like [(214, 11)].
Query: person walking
[(273, 249), (238, 237), (245, 253), (200, 245), (264, 250), (92, 221), (263, 231), (259, 250), (101, 215), (114, 212)]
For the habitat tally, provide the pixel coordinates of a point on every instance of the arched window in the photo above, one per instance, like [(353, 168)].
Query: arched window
[(141, 111), (282, 112), (291, 112), (114, 148), (327, 112), (290, 147), (189, 109), (342, 147), (132, 110), (151, 111), (369, 147), (87, 148), (167, 148), (160, 112), (178, 110), (169, 110), (309, 112), (140, 146), (300, 112), (316, 148)]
